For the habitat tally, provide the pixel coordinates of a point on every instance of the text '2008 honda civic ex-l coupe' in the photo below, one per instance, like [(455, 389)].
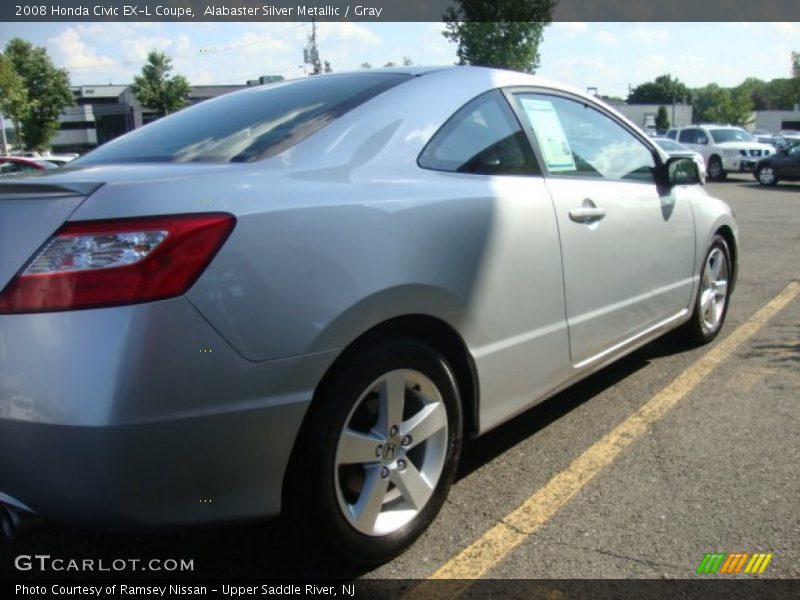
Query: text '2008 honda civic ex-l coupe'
[(301, 297)]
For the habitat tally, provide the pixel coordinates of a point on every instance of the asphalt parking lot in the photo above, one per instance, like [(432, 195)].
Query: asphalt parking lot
[(637, 472)]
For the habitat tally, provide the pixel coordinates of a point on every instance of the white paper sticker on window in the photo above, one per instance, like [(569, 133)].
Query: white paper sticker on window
[(549, 133)]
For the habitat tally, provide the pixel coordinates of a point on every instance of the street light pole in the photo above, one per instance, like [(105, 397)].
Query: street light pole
[(3, 129)]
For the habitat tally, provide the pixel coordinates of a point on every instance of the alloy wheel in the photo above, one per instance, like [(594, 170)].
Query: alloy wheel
[(714, 292), (766, 175), (390, 453)]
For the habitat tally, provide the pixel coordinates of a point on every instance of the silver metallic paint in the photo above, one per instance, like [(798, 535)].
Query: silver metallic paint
[(127, 422)]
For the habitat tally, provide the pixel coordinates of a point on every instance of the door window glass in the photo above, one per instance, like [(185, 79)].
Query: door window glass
[(578, 140)]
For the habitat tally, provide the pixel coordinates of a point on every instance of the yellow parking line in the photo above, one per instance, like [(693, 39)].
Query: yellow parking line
[(493, 546)]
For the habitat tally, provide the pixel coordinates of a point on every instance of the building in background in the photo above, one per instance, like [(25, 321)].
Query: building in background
[(103, 112), (777, 120), (644, 115)]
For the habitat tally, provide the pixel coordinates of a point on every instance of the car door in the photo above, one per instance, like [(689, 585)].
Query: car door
[(627, 245), (481, 158), (790, 165)]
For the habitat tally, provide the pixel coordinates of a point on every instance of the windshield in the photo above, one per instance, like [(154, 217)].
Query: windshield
[(242, 126), (731, 135)]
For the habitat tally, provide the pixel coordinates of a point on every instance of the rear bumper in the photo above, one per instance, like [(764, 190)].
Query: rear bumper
[(143, 416)]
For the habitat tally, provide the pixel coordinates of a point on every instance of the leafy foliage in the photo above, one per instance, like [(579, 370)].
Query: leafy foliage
[(39, 92), (662, 120), (13, 95), (778, 94), (154, 87), (663, 90), (716, 104), (503, 33)]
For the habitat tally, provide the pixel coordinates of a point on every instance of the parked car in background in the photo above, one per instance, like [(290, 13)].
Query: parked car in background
[(791, 135), (11, 165), (725, 148), (766, 137), (784, 164), (304, 297), (59, 160), (674, 148)]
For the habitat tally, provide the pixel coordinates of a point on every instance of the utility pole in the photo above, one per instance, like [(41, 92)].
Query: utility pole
[(3, 129), (311, 53)]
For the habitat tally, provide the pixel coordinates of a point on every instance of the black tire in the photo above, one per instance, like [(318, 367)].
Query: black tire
[(765, 174), (715, 170), (698, 330), (316, 484)]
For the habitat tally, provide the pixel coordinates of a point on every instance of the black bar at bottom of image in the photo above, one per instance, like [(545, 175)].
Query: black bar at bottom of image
[(722, 588)]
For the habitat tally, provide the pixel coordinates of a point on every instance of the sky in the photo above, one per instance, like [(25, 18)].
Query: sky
[(608, 56)]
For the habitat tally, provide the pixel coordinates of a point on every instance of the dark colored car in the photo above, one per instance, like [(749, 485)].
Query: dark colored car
[(784, 164)]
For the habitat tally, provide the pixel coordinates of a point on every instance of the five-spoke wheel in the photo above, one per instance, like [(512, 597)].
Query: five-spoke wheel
[(378, 450), (712, 297), (391, 452)]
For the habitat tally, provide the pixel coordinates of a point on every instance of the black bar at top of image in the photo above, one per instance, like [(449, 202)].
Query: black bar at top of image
[(388, 10)]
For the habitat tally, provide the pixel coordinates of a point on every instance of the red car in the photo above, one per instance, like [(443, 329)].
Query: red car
[(10, 165)]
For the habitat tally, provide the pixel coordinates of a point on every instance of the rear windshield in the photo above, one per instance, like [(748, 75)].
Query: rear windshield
[(247, 125)]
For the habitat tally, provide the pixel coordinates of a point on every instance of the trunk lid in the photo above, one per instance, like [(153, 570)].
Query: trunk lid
[(30, 212)]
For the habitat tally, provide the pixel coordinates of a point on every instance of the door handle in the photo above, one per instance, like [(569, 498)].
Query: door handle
[(586, 214)]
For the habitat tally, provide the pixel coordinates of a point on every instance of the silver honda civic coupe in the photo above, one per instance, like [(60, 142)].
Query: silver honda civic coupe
[(302, 297)]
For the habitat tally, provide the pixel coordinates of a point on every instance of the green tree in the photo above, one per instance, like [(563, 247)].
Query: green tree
[(758, 92), (13, 95), (721, 105), (156, 89), (662, 120), (390, 64), (796, 77), (47, 89), (407, 62), (503, 33), (663, 90), (782, 94), (366, 65)]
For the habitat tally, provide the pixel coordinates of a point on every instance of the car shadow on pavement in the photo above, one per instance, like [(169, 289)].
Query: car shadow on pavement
[(262, 549), (271, 549), (489, 446)]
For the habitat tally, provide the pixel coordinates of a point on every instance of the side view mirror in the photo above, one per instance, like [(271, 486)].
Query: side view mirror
[(677, 170), (682, 171), (702, 140)]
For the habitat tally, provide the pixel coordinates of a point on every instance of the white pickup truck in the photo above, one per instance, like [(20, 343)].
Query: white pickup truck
[(725, 148)]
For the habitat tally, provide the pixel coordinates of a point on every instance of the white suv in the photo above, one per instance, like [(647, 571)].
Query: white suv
[(725, 148)]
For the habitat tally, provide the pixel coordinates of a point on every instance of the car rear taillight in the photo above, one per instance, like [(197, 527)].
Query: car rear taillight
[(93, 264)]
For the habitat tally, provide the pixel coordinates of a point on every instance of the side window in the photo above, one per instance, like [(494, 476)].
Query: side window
[(688, 136), (672, 134), (482, 138), (9, 167), (578, 140)]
